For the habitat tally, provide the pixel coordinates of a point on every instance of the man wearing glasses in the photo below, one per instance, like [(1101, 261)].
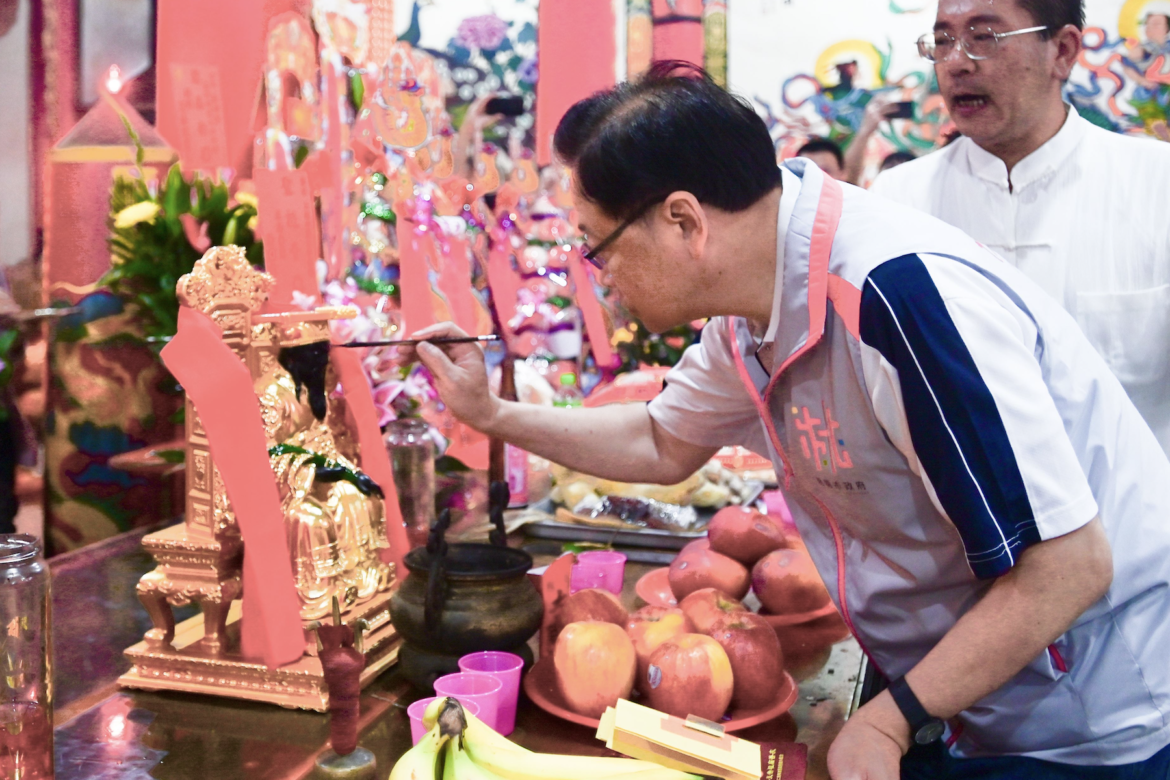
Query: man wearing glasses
[(985, 505), (1080, 210)]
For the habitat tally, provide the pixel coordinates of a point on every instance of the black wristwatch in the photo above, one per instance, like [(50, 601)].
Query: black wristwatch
[(924, 727)]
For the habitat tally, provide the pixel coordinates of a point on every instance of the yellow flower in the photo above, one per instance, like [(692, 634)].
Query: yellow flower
[(145, 211), (247, 199)]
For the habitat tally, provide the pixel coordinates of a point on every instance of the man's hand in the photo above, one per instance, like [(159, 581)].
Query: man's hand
[(460, 375), (871, 744)]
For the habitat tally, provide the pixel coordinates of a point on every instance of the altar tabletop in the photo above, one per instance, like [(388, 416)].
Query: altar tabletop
[(104, 732)]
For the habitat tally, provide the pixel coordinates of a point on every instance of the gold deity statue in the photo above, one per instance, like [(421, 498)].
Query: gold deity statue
[(334, 512)]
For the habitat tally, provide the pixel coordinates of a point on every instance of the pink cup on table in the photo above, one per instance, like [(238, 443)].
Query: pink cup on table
[(584, 577), (483, 689), (415, 713), (506, 667), (608, 567)]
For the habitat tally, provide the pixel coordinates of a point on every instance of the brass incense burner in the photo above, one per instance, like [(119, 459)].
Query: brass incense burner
[(335, 526), (462, 598)]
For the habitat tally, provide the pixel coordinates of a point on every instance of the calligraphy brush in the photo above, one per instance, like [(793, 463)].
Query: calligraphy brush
[(416, 342)]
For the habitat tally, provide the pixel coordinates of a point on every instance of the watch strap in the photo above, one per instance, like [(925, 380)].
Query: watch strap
[(915, 714)]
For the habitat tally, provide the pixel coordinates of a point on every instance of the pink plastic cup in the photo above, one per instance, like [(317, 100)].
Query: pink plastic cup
[(506, 667), (608, 567), (584, 577), (415, 713), (483, 689)]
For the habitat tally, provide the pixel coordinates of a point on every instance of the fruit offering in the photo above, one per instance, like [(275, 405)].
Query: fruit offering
[(787, 582), (698, 566), (459, 746), (595, 664), (648, 628), (690, 675), (757, 662), (744, 534)]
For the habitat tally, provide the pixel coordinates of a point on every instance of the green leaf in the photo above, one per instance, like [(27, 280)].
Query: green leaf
[(357, 90), (229, 233), (300, 155)]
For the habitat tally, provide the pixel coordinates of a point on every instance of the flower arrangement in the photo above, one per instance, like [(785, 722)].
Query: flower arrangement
[(157, 232)]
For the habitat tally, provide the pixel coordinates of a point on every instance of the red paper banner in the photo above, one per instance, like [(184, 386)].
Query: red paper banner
[(199, 116), (220, 386), (591, 312), (577, 51), (292, 243), (375, 460)]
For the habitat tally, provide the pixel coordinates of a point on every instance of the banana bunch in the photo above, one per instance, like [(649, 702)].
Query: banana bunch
[(459, 746)]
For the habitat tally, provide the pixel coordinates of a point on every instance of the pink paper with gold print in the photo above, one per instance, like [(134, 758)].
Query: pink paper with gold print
[(375, 460), (220, 386)]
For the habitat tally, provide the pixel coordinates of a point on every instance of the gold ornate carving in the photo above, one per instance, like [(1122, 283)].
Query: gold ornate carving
[(224, 274)]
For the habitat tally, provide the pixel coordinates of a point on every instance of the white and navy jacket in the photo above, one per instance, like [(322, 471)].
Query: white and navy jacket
[(933, 413)]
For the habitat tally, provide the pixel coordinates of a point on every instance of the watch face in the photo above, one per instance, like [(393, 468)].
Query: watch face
[(930, 732)]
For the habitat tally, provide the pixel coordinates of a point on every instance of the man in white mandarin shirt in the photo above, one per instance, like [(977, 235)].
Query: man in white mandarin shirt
[(1082, 211)]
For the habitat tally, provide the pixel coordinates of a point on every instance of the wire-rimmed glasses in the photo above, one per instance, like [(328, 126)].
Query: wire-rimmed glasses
[(978, 43)]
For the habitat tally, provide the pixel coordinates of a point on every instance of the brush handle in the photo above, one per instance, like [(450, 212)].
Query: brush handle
[(416, 342)]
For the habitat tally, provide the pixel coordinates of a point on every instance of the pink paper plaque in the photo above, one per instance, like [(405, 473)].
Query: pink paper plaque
[(199, 111)]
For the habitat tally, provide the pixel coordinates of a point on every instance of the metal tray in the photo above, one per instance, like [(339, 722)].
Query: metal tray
[(635, 537)]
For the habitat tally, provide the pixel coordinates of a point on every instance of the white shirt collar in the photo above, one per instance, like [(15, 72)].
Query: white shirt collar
[(1036, 165), (790, 188)]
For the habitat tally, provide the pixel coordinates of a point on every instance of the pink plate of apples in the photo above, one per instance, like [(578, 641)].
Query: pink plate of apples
[(541, 686)]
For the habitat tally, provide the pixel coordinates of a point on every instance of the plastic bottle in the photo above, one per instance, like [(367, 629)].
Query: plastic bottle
[(567, 395)]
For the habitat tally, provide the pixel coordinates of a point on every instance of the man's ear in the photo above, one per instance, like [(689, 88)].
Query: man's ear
[(1068, 47), (684, 213)]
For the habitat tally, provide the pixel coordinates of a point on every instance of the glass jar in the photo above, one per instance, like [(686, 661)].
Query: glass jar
[(26, 688), (412, 457)]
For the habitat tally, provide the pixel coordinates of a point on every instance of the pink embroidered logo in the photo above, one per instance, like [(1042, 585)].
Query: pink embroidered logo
[(819, 440)]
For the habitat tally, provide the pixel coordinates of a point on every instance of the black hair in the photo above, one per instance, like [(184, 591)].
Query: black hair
[(1055, 14), (306, 363), (823, 145), (672, 130), (894, 159)]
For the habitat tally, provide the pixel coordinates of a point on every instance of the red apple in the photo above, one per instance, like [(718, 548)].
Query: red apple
[(595, 666), (786, 582), (649, 627), (690, 675), (757, 661), (701, 567), (744, 534), (590, 604), (706, 606)]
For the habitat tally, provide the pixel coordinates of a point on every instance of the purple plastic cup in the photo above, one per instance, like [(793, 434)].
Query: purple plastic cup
[(610, 568), (415, 713), (483, 689), (506, 667)]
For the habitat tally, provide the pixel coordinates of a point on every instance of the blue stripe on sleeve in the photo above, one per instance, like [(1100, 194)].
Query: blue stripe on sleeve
[(955, 426)]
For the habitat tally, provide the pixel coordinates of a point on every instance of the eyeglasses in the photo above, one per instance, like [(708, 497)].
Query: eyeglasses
[(592, 253), (978, 43)]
